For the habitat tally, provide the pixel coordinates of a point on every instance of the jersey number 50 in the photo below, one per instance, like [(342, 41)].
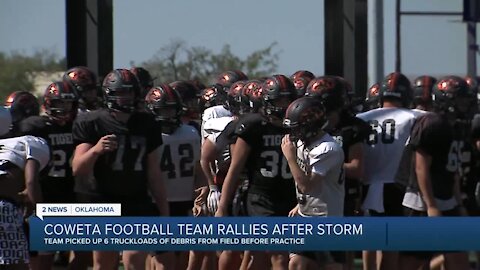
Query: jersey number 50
[(386, 131)]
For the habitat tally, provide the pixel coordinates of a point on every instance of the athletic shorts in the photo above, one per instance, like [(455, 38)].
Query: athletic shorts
[(264, 206), (13, 241)]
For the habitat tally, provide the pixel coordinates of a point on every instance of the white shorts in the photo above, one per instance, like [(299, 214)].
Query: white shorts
[(13, 242)]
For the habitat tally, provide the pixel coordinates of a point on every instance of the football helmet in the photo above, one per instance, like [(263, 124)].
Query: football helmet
[(190, 95), (227, 78), (278, 92), (422, 90), (60, 102), (237, 100), (451, 95), (372, 100), (166, 104), (398, 87), (253, 90), (213, 95), (84, 82), (330, 90), (301, 79), (22, 104), (305, 118), (120, 89)]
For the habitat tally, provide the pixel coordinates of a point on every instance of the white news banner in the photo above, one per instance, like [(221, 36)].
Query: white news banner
[(78, 209)]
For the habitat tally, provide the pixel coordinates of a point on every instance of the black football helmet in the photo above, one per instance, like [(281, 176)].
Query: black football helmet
[(278, 92), (330, 90), (422, 90), (253, 90), (372, 100), (237, 100), (190, 95), (166, 104), (84, 82), (60, 102), (305, 118), (396, 86), (301, 79), (451, 95), (213, 95), (474, 84), (22, 104), (227, 78), (120, 89)]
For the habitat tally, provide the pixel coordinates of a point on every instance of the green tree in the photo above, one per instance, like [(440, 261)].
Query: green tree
[(178, 61), (16, 69)]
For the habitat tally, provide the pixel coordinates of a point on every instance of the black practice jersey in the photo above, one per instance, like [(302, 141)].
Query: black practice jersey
[(56, 179), (122, 173), (434, 135), (268, 170)]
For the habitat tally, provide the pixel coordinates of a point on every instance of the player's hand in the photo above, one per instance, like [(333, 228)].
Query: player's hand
[(288, 148), (213, 199), (433, 212), (293, 212), (107, 143), (201, 195)]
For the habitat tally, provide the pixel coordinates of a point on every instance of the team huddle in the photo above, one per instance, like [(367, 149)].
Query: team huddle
[(275, 146)]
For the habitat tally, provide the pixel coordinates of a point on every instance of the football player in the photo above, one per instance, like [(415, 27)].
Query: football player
[(121, 147), (60, 104), (84, 82), (21, 160), (21, 104), (257, 148), (390, 129), (316, 161), (350, 132), (433, 189), (179, 156)]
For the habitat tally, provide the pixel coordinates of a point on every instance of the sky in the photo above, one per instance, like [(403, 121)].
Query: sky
[(430, 45)]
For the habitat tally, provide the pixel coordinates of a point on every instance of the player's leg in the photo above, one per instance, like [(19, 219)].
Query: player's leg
[(134, 259), (105, 260)]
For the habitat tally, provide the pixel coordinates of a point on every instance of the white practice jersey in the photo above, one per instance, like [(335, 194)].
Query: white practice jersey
[(214, 127), (18, 150), (384, 147), (179, 154), (324, 157), (5, 120), (213, 112)]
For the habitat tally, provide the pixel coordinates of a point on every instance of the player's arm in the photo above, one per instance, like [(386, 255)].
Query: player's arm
[(156, 182), (303, 180), (354, 167), (239, 155), (423, 162), (32, 184), (207, 157), (86, 154)]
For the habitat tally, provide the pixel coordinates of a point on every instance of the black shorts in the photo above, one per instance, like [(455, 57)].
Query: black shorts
[(426, 255), (57, 191), (323, 258), (264, 206), (180, 209), (392, 201)]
